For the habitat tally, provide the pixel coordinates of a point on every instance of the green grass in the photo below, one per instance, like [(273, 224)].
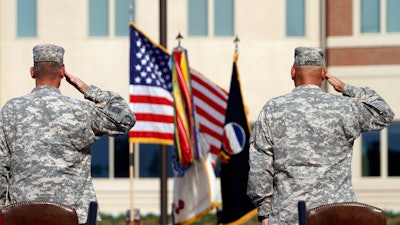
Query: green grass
[(393, 218)]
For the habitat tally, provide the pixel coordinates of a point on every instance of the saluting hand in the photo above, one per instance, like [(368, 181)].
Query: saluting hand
[(76, 82), (336, 83)]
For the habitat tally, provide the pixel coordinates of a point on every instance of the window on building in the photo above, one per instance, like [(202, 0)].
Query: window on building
[(26, 18), (393, 16), (98, 18), (394, 149), (198, 18), (122, 16), (223, 16), (121, 156), (149, 160), (371, 155), (100, 157), (295, 18), (370, 16), (371, 152)]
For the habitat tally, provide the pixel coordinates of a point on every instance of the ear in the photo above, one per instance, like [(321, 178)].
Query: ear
[(62, 71), (323, 73), (32, 71), (293, 72)]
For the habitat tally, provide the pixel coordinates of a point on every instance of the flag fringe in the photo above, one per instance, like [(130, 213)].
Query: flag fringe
[(151, 141), (243, 219), (201, 214)]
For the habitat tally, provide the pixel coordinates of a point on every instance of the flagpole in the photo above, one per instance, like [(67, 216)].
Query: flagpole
[(131, 214), (163, 152), (131, 217)]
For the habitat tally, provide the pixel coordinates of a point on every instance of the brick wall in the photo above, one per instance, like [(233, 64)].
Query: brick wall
[(340, 23), (363, 56), (339, 17)]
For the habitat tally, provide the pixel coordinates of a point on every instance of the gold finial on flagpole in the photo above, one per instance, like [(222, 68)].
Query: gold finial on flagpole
[(179, 37), (236, 41)]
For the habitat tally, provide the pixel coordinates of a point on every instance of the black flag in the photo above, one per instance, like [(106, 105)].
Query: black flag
[(236, 205)]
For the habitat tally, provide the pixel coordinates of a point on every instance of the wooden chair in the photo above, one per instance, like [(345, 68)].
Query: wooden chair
[(343, 213), (38, 213)]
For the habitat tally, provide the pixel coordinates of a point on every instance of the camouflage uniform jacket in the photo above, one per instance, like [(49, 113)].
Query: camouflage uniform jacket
[(45, 141), (301, 148)]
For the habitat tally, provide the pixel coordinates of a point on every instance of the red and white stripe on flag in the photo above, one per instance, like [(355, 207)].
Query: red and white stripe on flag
[(154, 111), (210, 101)]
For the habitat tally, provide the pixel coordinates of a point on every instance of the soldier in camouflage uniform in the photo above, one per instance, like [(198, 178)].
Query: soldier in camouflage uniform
[(301, 145), (45, 137)]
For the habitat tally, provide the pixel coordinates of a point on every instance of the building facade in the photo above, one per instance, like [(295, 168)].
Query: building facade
[(361, 40), (363, 48)]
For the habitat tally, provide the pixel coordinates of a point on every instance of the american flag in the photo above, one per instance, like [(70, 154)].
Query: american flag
[(152, 102), (150, 91)]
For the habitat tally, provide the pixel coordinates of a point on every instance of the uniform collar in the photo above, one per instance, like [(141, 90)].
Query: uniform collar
[(307, 87), (46, 89)]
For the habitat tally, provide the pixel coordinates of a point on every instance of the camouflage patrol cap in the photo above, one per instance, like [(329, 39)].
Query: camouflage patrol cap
[(48, 53), (308, 56)]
